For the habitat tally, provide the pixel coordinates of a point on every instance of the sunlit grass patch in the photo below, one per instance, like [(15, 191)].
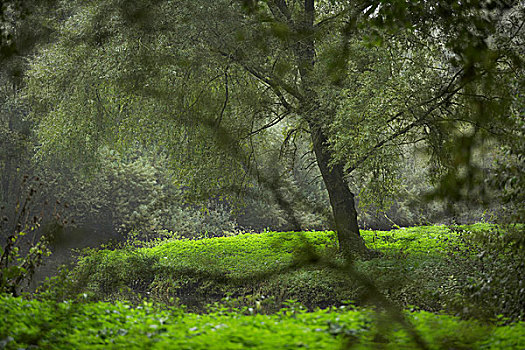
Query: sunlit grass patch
[(119, 325)]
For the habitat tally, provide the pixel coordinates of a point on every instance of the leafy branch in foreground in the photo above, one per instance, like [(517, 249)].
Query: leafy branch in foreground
[(20, 254)]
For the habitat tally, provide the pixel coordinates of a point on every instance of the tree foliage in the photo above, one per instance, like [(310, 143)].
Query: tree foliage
[(205, 80)]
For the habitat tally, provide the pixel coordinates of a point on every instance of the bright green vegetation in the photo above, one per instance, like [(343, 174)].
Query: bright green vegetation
[(51, 325), (278, 290), (162, 122), (433, 268)]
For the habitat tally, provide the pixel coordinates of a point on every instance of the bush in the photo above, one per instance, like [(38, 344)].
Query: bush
[(494, 282), (20, 256)]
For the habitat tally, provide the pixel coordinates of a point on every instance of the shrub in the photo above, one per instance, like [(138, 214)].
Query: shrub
[(494, 283), (20, 257)]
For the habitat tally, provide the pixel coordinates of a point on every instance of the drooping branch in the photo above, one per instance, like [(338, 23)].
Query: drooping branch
[(418, 122), (268, 125), (226, 97), (276, 84)]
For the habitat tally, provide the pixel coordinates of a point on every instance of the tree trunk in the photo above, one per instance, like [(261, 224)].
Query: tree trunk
[(341, 199)]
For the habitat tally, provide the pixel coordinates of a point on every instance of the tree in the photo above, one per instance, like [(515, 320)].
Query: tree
[(196, 71), (23, 26)]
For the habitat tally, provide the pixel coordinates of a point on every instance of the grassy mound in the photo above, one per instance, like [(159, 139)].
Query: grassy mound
[(62, 325), (427, 267)]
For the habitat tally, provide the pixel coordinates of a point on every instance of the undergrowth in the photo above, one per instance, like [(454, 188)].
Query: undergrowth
[(432, 268), (52, 325)]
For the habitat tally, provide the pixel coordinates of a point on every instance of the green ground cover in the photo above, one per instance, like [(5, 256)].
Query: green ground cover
[(426, 267), (279, 290), (28, 324)]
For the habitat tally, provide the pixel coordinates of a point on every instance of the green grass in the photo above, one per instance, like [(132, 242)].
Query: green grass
[(418, 268), (62, 325), (247, 291)]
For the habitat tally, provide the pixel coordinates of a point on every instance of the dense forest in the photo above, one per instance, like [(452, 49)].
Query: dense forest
[(262, 174)]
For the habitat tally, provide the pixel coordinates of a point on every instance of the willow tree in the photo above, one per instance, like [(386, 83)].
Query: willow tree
[(22, 27), (189, 72)]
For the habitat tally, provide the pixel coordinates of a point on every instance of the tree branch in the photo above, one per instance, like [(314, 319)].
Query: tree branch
[(226, 97), (418, 122), (280, 11), (271, 80), (266, 126)]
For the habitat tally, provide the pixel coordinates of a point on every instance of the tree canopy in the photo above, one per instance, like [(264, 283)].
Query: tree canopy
[(211, 83)]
